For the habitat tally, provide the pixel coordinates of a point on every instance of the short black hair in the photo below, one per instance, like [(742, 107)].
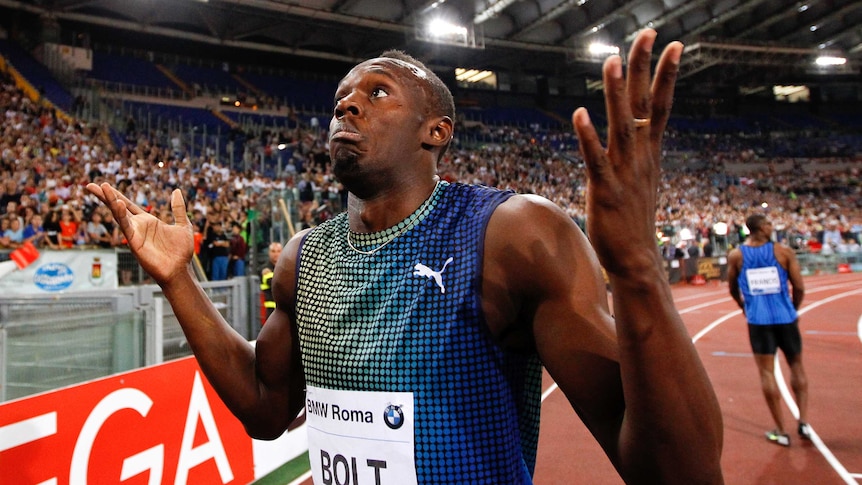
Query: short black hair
[(754, 221)]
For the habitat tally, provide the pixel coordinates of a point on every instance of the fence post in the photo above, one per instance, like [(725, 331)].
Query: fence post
[(154, 323), (3, 357)]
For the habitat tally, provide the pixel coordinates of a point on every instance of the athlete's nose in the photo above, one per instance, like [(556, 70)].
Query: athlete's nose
[(346, 105)]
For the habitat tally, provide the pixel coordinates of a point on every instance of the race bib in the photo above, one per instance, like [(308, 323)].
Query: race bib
[(360, 437), (763, 281)]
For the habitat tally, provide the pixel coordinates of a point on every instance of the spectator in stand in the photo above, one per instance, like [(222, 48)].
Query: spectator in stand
[(12, 193), (238, 250), (218, 245), (112, 228), (97, 233), (68, 228), (52, 229), (5, 224), (198, 239), (13, 236), (307, 189), (34, 233), (814, 245), (850, 246), (832, 235)]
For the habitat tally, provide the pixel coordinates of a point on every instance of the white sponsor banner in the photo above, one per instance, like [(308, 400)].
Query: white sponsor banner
[(159, 425), (64, 271)]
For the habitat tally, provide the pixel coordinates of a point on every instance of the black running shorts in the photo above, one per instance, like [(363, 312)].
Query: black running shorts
[(766, 339)]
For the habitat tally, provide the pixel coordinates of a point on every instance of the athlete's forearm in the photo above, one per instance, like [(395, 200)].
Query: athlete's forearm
[(673, 428)]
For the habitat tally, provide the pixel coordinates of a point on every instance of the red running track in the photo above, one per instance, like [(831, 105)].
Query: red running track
[(831, 326)]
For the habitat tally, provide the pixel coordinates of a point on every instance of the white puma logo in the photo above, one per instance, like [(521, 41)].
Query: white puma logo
[(422, 270)]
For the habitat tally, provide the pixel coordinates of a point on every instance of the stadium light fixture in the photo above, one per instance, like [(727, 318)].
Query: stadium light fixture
[(600, 49), (461, 74), (445, 29), (481, 75), (439, 30), (830, 61)]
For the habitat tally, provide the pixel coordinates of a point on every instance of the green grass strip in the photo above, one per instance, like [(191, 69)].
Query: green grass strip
[(286, 473)]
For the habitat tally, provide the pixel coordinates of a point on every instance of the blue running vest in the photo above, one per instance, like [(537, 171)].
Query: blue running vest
[(771, 308), (408, 318)]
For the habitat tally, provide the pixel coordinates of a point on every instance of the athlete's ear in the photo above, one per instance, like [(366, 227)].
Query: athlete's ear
[(439, 132)]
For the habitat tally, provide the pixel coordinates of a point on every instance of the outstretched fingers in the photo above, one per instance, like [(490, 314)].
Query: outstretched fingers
[(638, 77), (120, 206), (590, 145), (662, 89)]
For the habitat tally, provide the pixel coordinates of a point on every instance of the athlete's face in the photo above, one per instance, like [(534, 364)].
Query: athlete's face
[(379, 115)]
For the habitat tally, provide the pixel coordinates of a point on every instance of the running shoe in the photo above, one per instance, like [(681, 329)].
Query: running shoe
[(778, 438), (805, 431)]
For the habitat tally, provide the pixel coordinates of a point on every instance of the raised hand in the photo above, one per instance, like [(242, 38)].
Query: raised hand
[(623, 179), (163, 250)]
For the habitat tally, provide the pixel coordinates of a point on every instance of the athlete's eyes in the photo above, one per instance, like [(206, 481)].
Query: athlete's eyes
[(379, 93)]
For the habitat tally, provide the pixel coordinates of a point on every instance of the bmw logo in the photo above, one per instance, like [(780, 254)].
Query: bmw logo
[(393, 416)]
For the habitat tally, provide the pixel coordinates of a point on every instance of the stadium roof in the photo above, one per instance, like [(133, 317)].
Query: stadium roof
[(746, 44)]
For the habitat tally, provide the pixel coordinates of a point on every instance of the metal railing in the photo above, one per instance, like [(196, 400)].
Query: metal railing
[(52, 341)]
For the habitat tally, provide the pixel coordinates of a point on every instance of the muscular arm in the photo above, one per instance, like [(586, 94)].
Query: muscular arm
[(257, 383), (635, 380), (669, 429), (544, 285)]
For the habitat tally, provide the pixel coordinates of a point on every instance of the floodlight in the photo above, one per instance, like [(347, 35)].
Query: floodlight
[(830, 61), (441, 31), (599, 49), (445, 29)]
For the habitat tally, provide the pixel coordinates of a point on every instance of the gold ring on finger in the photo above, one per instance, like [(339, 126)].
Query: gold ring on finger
[(640, 122)]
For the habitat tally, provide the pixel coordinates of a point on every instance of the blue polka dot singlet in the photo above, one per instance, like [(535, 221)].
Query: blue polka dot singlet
[(408, 318)]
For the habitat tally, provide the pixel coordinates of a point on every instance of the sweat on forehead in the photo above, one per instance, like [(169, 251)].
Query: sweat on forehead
[(416, 70), (410, 67)]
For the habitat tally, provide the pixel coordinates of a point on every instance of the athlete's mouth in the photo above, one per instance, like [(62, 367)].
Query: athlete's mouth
[(344, 134)]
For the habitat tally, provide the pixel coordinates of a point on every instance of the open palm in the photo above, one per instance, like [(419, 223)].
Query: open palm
[(163, 250)]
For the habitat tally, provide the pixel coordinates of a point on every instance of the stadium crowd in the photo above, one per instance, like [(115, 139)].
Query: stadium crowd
[(47, 158)]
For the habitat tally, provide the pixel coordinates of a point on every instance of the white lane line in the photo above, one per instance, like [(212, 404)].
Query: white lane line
[(859, 328), (301, 479), (794, 409)]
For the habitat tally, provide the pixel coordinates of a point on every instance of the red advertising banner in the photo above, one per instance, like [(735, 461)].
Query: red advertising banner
[(156, 425)]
